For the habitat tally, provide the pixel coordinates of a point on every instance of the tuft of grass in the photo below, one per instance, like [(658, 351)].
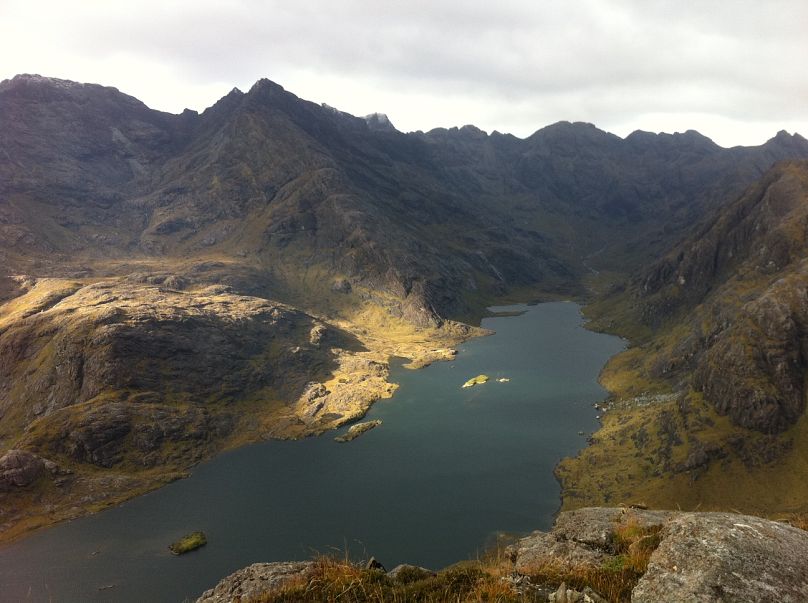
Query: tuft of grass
[(634, 543), (489, 579), (800, 521), (614, 580)]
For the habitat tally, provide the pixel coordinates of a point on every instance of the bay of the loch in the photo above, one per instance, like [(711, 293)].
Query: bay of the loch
[(446, 470)]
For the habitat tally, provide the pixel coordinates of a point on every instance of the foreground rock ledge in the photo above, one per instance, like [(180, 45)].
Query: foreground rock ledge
[(702, 557)]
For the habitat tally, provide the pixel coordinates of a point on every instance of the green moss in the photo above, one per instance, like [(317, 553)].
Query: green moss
[(188, 543), (614, 564)]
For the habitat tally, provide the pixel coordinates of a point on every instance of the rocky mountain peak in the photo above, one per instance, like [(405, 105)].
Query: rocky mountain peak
[(787, 141), (265, 86), (577, 134), (472, 131), (38, 88), (379, 122), (34, 79)]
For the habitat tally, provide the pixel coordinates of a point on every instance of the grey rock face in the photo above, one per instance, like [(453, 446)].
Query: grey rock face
[(255, 580), (713, 557), (702, 557), (542, 549)]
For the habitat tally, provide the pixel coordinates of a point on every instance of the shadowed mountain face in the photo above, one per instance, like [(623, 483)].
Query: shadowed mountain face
[(739, 283), (708, 406), (264, 188)]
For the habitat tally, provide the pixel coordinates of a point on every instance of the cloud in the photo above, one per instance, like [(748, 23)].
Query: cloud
[(515, 65)]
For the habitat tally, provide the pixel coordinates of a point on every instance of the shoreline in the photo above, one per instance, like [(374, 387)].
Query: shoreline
[(360, 380)]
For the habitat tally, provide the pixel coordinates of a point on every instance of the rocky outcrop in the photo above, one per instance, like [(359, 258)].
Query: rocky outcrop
[(20, 468), (712, 557), (357, 430), (256, 580), (585, 537), (119, 346), (701, 557)]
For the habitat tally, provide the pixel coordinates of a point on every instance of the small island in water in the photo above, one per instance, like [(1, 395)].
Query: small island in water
[(188, 543), (478, 380), (357, 430)]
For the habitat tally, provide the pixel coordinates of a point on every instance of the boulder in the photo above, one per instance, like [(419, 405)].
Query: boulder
[(255, 580), (20, 468)]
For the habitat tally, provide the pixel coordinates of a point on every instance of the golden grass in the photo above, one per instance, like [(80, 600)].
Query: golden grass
[(620, 467), (800, 521), (633, 546), (333, 580)]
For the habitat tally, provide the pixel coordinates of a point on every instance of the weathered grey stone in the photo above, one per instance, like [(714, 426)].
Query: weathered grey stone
[(595, 526), (716, 557), (541, 549), (255, 580)]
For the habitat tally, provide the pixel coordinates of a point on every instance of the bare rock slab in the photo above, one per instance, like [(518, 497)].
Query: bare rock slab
[(256, 580), (716, 557)]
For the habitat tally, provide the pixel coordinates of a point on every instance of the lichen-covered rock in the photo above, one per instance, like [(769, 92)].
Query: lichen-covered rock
[(255, 580), (716, 557), (701, 558)]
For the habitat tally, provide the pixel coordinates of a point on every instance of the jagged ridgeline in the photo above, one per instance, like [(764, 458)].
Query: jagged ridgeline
[(173, 285)]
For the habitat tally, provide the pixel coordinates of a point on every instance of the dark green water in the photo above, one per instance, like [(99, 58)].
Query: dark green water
[(446, 471)]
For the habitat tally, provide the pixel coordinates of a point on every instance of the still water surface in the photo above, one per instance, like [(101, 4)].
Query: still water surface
[(446, 471)]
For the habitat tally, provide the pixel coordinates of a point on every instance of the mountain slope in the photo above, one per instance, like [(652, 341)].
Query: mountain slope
[(740, 283), (710, 403)]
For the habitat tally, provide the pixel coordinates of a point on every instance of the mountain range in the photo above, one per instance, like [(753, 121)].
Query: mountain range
[(179, 284)]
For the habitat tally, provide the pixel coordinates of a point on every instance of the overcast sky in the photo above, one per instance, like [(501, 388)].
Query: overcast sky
[(733, 69)]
